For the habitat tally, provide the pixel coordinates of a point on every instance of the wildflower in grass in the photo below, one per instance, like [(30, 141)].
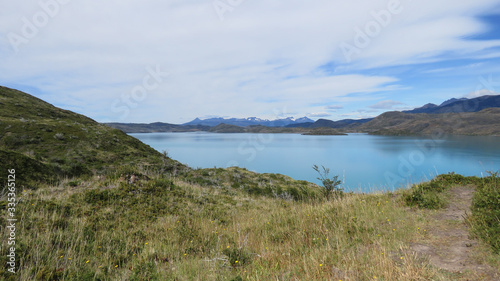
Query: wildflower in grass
[(116, 266), (87, 261), (69, 258), (146, 243), (393, 229), (227, 247), (185, 254), (401, 258), (320, 264), (235, 261)]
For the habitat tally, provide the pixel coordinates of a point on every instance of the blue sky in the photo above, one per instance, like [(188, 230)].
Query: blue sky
[(173, 61)]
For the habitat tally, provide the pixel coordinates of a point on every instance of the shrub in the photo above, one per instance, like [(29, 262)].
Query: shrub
[(331, 185), (426, 195), (486, 211)]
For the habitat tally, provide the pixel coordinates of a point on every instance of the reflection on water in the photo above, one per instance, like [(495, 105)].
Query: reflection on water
[(365, 162)]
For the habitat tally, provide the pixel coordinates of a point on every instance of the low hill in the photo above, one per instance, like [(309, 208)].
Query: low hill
[(485, 122), (227, 128), (325, 123), (322, 131), (156, 127)]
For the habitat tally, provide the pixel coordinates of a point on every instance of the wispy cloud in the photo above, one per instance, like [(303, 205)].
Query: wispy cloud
[(386, 104), (318, 114), (261, 58), (480, 93)]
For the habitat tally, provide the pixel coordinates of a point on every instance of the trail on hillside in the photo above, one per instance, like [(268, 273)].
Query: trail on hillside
[(449, 246)]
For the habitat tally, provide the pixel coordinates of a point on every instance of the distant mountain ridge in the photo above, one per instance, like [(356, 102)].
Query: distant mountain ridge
[(386, 123), (325, 123), (485, 122), (459, 105), (250, 121)]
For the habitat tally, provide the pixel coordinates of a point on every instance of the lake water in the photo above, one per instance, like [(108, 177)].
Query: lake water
[(363, 162)]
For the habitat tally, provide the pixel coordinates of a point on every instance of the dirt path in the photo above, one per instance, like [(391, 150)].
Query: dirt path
[(449, 246)]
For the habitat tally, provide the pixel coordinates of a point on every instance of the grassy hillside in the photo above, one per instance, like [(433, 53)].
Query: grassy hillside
[(485, 122), (68, 143), (160, 228), (100, 205)]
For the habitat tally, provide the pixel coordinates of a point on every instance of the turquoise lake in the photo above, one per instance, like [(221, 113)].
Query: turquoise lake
[(363, 162)]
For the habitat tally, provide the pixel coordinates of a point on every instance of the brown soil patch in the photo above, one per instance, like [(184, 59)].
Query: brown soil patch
[(449, 246)]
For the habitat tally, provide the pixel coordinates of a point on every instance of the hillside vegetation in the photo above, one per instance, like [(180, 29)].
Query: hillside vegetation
[(97, 204), (64, 142), (485, 122)]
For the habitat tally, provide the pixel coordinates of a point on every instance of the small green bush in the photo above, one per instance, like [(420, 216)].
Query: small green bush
[(428, 195), (486, 211), (331, 185)]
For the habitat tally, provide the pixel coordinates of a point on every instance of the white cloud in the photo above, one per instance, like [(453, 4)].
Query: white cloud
[(264, 56), (318, 114), (334, 108), (480, 93), (386, 104)]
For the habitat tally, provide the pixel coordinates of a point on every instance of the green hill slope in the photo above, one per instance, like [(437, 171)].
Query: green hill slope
[(71, 144), (46, 141), (485, 122)]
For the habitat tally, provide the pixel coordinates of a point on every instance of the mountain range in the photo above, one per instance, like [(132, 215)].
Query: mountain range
[(417, 121), (251, 121), (459, 105)]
